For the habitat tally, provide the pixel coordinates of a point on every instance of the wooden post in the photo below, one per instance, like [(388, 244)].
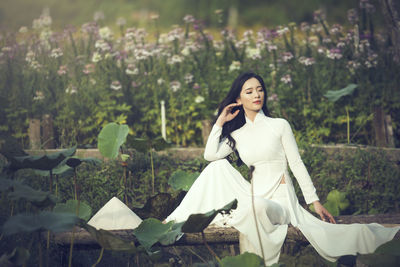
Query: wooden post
[(205, 130), (379, 127), (34, 133)]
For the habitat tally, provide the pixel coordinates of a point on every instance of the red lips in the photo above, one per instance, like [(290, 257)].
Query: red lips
[(257, 102)]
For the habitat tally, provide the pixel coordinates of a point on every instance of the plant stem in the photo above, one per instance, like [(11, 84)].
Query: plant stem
[(177, 254), (348, 124), (198, 256), (209, 248), (75, 186), (100, 257), (71, 247), (152, 171)]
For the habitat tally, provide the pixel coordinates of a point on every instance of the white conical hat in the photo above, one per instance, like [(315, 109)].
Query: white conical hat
[(115, 215)]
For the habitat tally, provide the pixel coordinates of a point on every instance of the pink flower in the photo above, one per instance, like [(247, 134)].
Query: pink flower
[(62, 70)]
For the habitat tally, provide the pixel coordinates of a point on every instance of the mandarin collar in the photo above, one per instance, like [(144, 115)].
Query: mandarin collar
[(259, 116)]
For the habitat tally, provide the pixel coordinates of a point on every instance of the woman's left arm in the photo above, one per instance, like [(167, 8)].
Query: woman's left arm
[(300, 172)]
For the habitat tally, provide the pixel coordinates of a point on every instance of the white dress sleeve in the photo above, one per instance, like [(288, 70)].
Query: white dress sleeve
[(214, 148), (296, 164)]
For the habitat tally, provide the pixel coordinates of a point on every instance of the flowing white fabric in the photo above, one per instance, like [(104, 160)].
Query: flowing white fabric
[(115, 215), (268, 144)]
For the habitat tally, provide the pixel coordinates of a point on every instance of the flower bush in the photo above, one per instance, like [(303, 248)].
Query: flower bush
[(86, 77)]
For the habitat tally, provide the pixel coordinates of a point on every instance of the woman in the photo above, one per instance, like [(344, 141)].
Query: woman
[(245, 127)]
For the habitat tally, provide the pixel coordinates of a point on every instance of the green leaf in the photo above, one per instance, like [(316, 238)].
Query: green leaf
[(44, 162), (74, 162), (55, 222), (182, 180), (390, 248), (124, 157), (85, 211), (339, 199), (36, 197), (62, 169), (198, 222), (246, 259), (334, 96), (159, 206), (110, 241), (150, 231), (110, 139)]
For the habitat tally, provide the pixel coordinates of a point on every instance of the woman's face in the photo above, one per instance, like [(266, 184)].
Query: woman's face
[(251, 96)]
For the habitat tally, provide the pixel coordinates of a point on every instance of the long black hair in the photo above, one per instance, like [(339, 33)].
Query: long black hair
[(240, 119)]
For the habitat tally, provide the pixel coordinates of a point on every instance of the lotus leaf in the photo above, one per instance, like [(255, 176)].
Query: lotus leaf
[(182, 180), (151, 231), (246, 259), (198, 222), (36, 197), (110, 241), (334, 96), (110, 139), (85, 211), (44, 162), (45, 220)]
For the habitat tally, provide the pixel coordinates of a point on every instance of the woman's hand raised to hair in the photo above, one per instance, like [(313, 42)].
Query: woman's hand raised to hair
[(227, 115)]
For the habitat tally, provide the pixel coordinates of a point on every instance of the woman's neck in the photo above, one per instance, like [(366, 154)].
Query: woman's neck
[(251, 114)]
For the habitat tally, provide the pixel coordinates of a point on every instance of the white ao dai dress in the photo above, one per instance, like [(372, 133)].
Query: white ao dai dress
[(268, 144)]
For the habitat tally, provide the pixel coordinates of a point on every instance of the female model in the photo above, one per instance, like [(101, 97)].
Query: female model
[(244, 127)]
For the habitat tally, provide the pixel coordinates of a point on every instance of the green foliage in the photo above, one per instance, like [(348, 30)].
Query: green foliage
[(151, 231), (336, 202), (44, 162), (181, 180), (387, 254), (198, 222), (45, 220), (36, 197), (334, 96), (110, 139), (81, 209), (245, 259), (110, 241)]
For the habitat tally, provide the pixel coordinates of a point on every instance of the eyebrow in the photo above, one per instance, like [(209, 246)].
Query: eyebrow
[(252, 87)]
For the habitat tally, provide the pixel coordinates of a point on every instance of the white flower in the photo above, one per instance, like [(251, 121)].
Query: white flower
[(160, 81), (185, 51), (175, 59), (253, 53), (102, 45), (282, 31), (235, 65), (132, 70), (306, 61), (38, 96), (62, 70), (105, 33), (175, 85), (286, 56), (188, 78), (334, 53), (56, 52), (96, 57), (71, 90), (271, 47), (188, 19), (273, 97), (287, 79), (116, 85), (199, 99)]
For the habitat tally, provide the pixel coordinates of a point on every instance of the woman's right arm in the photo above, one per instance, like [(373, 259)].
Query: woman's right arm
[(214, 148)]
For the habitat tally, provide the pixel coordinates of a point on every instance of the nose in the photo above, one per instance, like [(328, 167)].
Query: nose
[(257, 95)]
